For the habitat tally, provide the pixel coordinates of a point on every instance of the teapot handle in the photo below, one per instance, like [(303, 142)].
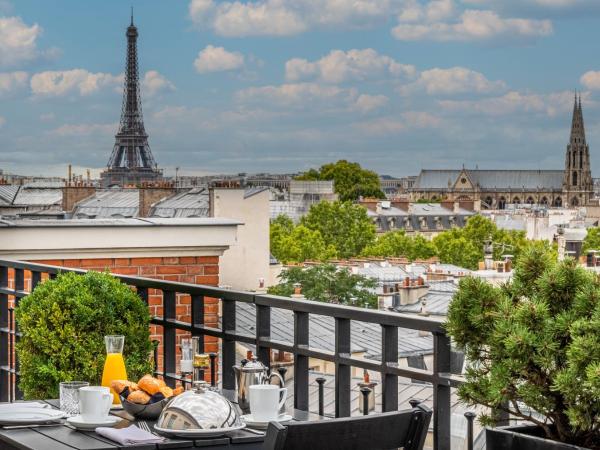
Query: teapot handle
[(281, 382)]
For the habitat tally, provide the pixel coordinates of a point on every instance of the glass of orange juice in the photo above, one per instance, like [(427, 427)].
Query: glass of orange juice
[(114, 366)]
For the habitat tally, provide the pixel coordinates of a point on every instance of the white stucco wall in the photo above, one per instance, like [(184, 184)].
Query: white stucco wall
[(113, 238), (247, 260)]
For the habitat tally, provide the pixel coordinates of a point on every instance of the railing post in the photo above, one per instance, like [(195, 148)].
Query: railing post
[(470, 416), (36, 278), (365, 391), (19, 287), (228, 344), (441, 392), (389, 382), (169, 338), (142, 292), (4, 338), (263, 330), (198, 321), (321, 382), (342, 371), (300, 361)]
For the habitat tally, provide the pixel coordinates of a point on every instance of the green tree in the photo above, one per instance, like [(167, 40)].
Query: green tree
[(592, 240), (343, 225), (398, 244), (327, 283), (350, 180), (453, 247), (534, 345), (303, 244), (64, 322)]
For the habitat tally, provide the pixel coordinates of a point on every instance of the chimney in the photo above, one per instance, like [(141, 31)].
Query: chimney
[(411, 292), (297, 295), (401, 204), (70, 174), (71, 195), (148, 196)]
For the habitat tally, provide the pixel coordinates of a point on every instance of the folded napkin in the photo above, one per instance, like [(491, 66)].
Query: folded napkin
[(8, 406), (129, 435)]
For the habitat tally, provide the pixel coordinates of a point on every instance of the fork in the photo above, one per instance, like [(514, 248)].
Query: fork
[(144, 426)]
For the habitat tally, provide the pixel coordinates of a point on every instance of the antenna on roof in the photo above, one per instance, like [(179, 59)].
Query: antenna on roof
[(131, 15)]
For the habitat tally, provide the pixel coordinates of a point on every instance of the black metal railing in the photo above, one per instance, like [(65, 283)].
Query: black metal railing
[(440, 378)]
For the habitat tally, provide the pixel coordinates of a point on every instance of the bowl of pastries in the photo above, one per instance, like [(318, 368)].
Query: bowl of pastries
[(146, 398)]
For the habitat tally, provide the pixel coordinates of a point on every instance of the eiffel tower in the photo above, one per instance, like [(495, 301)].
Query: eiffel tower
[(131, 161)]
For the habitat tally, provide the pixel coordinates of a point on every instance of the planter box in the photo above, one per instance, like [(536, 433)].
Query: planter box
[(522, 437)]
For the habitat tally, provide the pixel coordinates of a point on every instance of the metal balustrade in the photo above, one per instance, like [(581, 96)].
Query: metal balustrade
[(440, 378)]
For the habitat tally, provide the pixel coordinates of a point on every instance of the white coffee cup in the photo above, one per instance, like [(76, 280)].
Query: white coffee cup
[(265, 401), (94, 403)]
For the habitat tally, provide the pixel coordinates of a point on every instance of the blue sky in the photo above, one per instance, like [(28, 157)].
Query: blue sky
[(282, 85)]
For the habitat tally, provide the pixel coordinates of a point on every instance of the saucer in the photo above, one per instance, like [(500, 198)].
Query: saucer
[(80, 424), (249, 420)]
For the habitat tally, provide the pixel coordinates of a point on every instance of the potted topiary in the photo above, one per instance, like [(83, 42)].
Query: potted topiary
[(64, 322), (533, 350)]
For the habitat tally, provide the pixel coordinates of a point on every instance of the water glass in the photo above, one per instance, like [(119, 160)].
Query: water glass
[(69, 396)]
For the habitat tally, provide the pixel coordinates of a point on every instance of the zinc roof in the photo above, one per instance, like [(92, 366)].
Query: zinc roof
[(192, 203), (492, 179), (38, 196), (109, 203)]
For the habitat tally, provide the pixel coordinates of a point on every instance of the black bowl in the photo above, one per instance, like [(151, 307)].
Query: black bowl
[(150, 411)]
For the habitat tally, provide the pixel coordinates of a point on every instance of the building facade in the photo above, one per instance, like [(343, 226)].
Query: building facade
[(495, 189)]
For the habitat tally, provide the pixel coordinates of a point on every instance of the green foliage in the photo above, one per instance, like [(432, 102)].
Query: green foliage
[(343, 225), (350, 180), (327, 283), (64, 322), (534, 345), (398, 244), (592, 240), (302, 244), (454, 247)]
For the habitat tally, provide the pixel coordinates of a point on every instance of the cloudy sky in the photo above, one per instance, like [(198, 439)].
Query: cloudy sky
[(284, 85)]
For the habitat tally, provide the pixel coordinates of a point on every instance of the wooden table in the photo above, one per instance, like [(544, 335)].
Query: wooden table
[(64, 437)]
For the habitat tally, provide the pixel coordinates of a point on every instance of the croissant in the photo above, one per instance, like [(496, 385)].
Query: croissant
[(149, 384), (139, 397), (120, 385)]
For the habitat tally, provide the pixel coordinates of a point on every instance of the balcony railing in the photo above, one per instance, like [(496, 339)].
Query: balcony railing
[(440, 378)]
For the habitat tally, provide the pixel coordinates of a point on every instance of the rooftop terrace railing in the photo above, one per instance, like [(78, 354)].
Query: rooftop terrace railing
[(440, 378)]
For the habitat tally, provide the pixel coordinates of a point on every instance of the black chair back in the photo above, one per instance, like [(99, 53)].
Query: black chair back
[(399, 429)]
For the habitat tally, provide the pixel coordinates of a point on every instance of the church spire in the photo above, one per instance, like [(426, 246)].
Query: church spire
[(577, 126)]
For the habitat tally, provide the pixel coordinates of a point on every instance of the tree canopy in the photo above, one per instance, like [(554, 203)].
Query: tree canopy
[(343, 225), (534, 345), (327, 283), (350, 180), (398, 244), (592, 240)]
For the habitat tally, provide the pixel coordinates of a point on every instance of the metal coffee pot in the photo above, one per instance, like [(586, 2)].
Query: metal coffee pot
[(249, 374)]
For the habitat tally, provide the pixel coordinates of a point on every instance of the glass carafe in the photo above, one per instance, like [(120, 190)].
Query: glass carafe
[(114, 366)]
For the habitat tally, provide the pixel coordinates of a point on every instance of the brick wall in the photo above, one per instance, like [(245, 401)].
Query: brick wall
[(186, 269)]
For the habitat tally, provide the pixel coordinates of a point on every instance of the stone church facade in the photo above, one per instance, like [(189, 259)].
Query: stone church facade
[(495, 189)]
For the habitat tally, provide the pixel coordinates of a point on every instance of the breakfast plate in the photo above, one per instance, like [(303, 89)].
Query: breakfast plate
[(29, 416), (80, 424)]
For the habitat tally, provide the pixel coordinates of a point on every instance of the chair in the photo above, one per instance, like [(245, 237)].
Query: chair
[(405, 429)]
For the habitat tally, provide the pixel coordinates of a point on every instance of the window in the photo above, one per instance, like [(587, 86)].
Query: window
[(544, 201), (574, 201), (530, 200), (516, 201), (574, 178), (502, 203), (487, 203), (558, 202)]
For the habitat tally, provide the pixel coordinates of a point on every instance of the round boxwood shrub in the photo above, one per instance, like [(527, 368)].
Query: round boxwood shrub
[(64, 322)]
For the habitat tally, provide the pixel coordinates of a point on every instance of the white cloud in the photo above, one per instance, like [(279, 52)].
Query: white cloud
[(339, 66), (10, 82), (2, 121), (17, 41), (285, 18), (455, 80), (515, 102), (591, 80), (311, 96), (217, 59), (475, 25), (47, 117), (154, 83), (367, 103), (58, 83), (86, 129), (408, 120)]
